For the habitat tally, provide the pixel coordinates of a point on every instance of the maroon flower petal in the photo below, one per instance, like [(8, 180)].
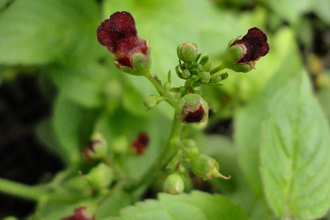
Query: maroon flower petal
[(117, 32), (255, 42), (119, 35), (195, 116), (79, 214), (141, 143)]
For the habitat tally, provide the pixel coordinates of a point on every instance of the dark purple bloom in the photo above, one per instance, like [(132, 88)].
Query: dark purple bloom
[(119, 35), (193, 115), (255, 44), (141, 143)]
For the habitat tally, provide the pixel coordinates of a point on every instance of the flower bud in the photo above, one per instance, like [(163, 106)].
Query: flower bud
[(174, 184), (187, 52), (216, 78), (192, 108), (97, 147), (141, 143), (80, 214), (152, 101), (100, 176), (205, 167), (242, 54), (205, 77)]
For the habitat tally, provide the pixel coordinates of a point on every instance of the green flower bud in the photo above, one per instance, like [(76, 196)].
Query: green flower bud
[(187, 52), (185, 74), (152, 101), (120, 144), (205, 77), (174, 184), (100, 176), (192, 108), (205, 167), (216, 78), (97, 147)]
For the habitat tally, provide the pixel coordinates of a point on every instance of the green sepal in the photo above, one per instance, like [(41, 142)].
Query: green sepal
[(141, 65), (232, 55)]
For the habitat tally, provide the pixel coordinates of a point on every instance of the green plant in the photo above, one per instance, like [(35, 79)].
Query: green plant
[(116, 153)]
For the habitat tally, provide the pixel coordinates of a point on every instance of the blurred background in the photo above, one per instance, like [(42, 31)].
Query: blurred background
[(58, 85)]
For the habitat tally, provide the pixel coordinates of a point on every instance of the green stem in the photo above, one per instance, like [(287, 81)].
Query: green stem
[(218, 68), (21, 190), (162, 159), (169, 98), (33, 192)]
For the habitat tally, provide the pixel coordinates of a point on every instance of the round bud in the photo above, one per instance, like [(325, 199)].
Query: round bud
[(174, 184), (97, 147), (192, 108), (100, 177), (205, 77), (187, 52)]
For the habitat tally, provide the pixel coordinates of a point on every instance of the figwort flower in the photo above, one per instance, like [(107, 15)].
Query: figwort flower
[(141, 143), (79, 214), (242, 54), (192, 108), (119, 35), (255, 45)]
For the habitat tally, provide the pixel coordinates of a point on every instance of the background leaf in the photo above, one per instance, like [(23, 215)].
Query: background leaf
[(37, 31), (248, 121), (295, 165), (195, 206)]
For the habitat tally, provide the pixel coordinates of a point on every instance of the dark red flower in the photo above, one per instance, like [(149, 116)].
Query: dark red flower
[(141, 143), (79, 214), (119, 35), (195, 115), (255, 43), (192, 108)]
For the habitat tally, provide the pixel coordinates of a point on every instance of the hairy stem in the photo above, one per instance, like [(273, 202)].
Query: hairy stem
[(218, 68), (169, 98)]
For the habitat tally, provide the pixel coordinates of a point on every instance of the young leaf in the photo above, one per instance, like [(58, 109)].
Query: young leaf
[(294, 154), (197, 205)]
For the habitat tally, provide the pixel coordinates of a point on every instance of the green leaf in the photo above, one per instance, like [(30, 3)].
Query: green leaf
[(248, 121), (294, 154), (73, 124), (323, 95), (293, 10), (84, 83), (113, 204), (37, 31), (197, 206)]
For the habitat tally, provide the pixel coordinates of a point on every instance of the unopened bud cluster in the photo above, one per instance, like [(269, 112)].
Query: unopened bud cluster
[(195, 67)]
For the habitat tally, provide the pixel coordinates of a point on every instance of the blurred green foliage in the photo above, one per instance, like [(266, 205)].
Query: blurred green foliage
[(56, 41)]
